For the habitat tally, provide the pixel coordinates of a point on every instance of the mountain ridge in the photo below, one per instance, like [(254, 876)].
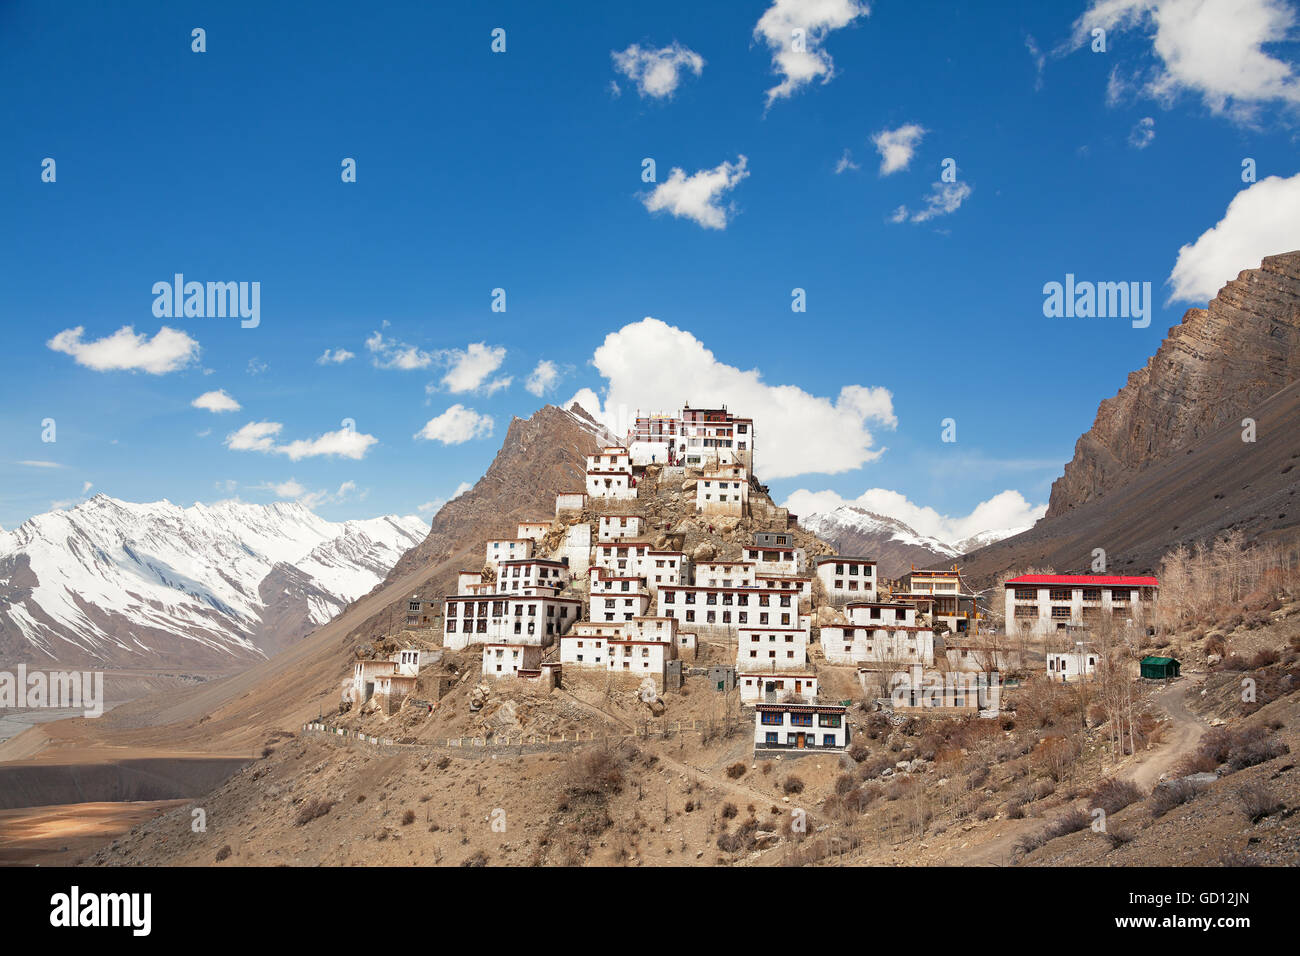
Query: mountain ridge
[(111, 582)]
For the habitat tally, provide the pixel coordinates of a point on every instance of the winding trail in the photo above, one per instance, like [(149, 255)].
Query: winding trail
[(1184, 734)]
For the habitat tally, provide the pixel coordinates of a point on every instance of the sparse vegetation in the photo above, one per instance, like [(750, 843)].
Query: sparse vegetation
[(1167, 796), (1257, 800), (311, 810)]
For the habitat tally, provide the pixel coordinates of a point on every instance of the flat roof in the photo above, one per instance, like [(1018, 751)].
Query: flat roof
[(1094, 580)]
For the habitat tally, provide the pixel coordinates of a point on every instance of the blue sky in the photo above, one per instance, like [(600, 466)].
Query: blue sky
[(522, 170)]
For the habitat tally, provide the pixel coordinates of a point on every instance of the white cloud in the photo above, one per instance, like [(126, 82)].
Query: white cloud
[(799, 63), (1211, 49), (468, 369), (124, 350), (543, 378), (897, 146), (218, 401), (845, 163), (657, 73), (1143, 134), (294, 490), (650, 365), (456, 426), (695, 197), (86, 486), (255, 436), (944, 198), (41, 464), (1007, 509), (389, 353), (335, 357), (261, 436), (284, 489), (1039, 58), (1261, 221), (344, 443)]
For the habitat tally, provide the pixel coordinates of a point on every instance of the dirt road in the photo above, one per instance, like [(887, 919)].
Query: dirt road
[(1181, 739)]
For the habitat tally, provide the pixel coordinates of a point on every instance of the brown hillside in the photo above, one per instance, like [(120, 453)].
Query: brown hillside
[(1213, 367)]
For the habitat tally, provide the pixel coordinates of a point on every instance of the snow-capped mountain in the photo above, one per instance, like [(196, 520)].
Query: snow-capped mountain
[(895, 545), (112, 582)]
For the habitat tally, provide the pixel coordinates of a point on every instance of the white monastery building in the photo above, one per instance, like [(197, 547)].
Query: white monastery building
[(1045, 603)]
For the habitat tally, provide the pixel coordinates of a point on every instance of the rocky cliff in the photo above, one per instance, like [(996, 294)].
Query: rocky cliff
[(1214, 366)]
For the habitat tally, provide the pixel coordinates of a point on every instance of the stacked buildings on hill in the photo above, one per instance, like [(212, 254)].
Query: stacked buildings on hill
[(601, 591)]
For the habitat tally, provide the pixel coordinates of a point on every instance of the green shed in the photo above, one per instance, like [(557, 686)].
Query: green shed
[(1160, 668)]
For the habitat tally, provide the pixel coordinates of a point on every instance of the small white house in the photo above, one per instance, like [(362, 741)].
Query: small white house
[(507, 660), (847, 579), (780, 726), (725, 574), (619, 606), (534, 531), (584, 650), (508, 549), (775, 684), (609, 474), (624, 556), (665, 567), (881, 644), (529, 574), (771, 647), (1076, 664), (775, 559), (614, 527), (640, 658), (723, 491), (570, 502)]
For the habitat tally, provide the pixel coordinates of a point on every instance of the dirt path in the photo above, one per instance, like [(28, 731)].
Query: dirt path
[(1183, 736)]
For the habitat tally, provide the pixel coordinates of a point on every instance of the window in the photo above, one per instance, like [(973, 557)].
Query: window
[(772, 717), (801, 720), (1026, 594)]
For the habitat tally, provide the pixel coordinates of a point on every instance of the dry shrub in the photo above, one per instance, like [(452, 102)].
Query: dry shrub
[(1264, 658), (729, 811), (737, 770), (478, 859), (311, 810), (223, 853), (1118, 837), (1114, 795), (859, 751), (1257, 800), (408, 818), (1055, 756), (792, 785), (1173, 794), (741, 840), (595, 772), (1072, 821), (1237, 749)]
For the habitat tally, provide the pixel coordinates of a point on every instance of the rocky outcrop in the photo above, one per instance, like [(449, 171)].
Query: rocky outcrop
[(1213, 367)]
